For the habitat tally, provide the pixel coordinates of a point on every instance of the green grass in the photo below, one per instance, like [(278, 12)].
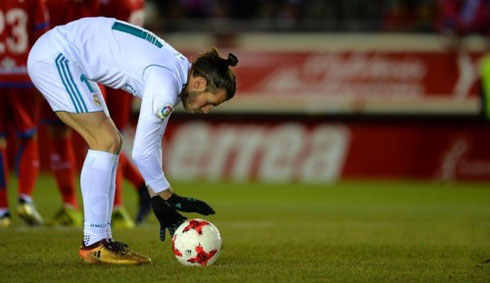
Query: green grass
[(348, 232)]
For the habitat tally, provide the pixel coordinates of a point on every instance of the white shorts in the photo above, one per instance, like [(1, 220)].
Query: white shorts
[(61, 80)]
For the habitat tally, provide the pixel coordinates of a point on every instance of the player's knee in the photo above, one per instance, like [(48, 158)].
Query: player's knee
[(110, 142), (120, 141), (117, 141)]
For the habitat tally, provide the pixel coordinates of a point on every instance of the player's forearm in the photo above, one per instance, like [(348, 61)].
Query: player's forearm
[(151, 170)]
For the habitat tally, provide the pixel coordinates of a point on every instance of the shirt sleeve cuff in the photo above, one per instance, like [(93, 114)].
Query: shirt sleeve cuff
[(159, 186)]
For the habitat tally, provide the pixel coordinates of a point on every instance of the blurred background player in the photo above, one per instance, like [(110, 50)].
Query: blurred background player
[(21, 22), (62, 156), (119, 105)]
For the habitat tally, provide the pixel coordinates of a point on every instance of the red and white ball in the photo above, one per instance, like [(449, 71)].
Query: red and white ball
[(196, 242)]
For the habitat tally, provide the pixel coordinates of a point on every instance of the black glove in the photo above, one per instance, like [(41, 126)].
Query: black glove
[(189, 205), (168, 217)]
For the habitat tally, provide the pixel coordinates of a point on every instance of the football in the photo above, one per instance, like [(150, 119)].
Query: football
[(196, 242)]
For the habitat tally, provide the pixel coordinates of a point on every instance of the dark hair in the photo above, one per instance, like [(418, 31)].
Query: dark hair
[(216, 71)]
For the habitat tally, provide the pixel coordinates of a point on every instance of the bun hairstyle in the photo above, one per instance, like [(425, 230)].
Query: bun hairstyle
[(232, 60), (216, 71)]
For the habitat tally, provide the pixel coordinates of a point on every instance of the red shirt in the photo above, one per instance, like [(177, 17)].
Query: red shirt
[(65, 11), (21, 23), (126, 10)]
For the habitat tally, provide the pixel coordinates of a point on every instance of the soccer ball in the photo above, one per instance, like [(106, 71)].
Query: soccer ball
[(196, 242)]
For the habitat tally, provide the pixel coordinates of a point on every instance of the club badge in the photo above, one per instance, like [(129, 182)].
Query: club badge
[(96, 100), (165, 111)]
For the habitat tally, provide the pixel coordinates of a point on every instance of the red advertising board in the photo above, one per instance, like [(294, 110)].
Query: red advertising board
[(311, 151), (332, 82), (314, 151), (298, 150)]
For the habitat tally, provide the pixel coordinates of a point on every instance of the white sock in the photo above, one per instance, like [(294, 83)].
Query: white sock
[(95, 182), (112, 193)]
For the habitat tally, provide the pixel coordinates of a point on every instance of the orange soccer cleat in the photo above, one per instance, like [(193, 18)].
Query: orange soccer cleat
[(111, 252)]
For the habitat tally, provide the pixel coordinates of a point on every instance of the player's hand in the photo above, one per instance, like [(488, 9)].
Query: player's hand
[(190, 205), (168, 217), (171, 226)]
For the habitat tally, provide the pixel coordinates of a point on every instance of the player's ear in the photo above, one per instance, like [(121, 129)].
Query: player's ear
[(200, 83)]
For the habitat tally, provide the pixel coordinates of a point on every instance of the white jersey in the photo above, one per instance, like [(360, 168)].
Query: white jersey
[(118, 55)]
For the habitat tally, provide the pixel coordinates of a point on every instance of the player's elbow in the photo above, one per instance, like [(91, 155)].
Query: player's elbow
[(141, 159), (138, 158)]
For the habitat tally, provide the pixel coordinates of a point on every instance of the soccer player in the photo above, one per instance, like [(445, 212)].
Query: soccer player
[(59, 137), (119, 105), (21, 23), (65, 65)]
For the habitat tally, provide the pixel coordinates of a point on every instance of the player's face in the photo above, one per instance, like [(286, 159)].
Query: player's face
[(196, 99), (202, 101)]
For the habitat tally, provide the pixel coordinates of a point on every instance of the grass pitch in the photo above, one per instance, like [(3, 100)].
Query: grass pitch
[(348, 232)]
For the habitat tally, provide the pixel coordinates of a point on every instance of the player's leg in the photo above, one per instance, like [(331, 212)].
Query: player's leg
[(24, 105), (62, 160), (80, 105), (4, 210), (96, 180), (78, 102), (99, 167), (97, 183)]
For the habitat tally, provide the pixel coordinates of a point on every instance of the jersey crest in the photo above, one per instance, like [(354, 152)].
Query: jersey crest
[(97, 100), (165, 111)]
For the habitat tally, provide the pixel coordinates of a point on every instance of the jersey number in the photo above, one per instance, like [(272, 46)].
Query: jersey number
[(18, 42)]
